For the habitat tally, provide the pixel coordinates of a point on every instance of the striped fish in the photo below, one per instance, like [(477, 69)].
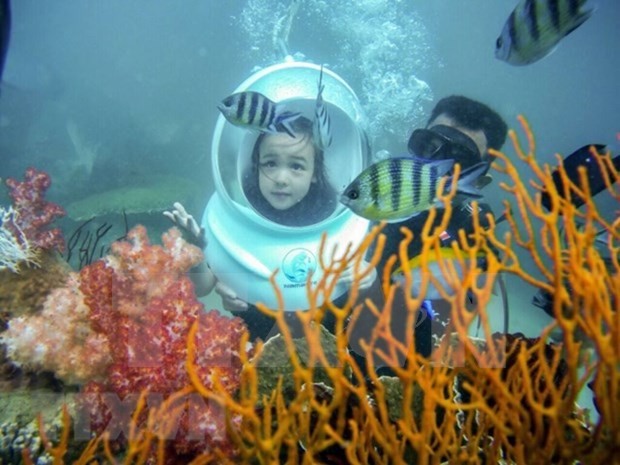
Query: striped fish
[(253, 110), (535, 27), (322, 125), (398, 188), (436, 261)]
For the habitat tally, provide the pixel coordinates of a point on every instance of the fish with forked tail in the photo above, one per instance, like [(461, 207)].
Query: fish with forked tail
[(253, 110), (398, 188), (435, 261), (535, 27)]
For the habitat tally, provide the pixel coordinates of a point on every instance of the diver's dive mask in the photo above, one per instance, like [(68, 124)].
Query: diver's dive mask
[(442, 142)]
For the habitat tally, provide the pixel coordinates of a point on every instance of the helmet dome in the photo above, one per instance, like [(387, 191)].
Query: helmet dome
[(244, 247), (293, 85)]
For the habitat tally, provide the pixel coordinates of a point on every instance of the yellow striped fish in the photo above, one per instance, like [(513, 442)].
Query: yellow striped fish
[(398, 188), (535, 27), (433, 268), (253, 110)]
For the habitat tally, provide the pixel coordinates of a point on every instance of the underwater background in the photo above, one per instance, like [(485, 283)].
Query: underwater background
[(116, 100), (109, 95)]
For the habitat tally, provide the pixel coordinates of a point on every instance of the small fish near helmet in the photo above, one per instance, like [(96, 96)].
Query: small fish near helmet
[(443, 142)]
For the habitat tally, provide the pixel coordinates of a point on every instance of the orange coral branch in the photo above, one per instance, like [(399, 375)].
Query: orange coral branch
[(500, 398)]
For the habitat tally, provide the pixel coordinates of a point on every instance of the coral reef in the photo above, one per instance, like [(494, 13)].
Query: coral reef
[(31, 441), (124, 319), (23, 293), (59, 338), (87, 323), (24, 229), (120, 324), (26, 280), (30, 265), (504, 398), (34, 213), (500, 399), (273, 363), (140, 298)]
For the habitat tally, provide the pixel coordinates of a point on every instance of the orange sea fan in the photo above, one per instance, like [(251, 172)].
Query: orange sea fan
[(502, 398), (505, 398)]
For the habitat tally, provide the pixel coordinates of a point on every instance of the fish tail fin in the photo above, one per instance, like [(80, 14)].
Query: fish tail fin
[(282, 123), (602, 237), (581, 18), (467, 180), (582, 15)]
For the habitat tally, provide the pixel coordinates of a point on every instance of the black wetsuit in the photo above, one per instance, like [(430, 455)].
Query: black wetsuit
[(461, 219)]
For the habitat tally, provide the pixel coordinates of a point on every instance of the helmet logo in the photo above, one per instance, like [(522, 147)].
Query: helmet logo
[(298, 264)]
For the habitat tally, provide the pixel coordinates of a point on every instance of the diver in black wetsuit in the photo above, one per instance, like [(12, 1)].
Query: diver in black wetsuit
[(580, 158), (462, 129)]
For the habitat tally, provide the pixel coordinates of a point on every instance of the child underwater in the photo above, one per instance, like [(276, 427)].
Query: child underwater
[(286, 183)]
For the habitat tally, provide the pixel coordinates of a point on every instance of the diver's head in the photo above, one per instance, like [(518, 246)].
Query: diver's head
[(461, 129), (287, 177)]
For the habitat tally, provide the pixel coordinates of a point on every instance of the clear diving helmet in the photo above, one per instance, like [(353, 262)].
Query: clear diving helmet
[(244, 247)]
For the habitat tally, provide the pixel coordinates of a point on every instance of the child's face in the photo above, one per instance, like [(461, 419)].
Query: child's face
[(286, 169)]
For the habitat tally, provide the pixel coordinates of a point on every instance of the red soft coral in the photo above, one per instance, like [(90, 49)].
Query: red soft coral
[(122, 324), (141, 297), (34, 213)]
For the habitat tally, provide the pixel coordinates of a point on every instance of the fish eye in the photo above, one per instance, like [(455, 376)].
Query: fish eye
[(499, 42), (353, 194)]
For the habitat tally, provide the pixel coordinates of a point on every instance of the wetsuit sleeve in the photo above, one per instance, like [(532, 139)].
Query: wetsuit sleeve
[(463, 218)]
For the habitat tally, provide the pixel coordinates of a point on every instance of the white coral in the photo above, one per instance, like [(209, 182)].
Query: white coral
[(15, 249)]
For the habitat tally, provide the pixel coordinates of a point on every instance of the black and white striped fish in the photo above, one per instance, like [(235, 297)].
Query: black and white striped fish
[(398, 188), (535, 27), (322, 125), (253, 110)]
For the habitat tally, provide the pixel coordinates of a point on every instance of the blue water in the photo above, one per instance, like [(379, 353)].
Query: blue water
[(142, 78), (139, 82)]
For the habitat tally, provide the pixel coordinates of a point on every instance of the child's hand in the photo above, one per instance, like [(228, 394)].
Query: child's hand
[(231, 302), (184, 220)]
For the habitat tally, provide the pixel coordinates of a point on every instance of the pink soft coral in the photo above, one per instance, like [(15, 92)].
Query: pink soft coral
[(59, 338)]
